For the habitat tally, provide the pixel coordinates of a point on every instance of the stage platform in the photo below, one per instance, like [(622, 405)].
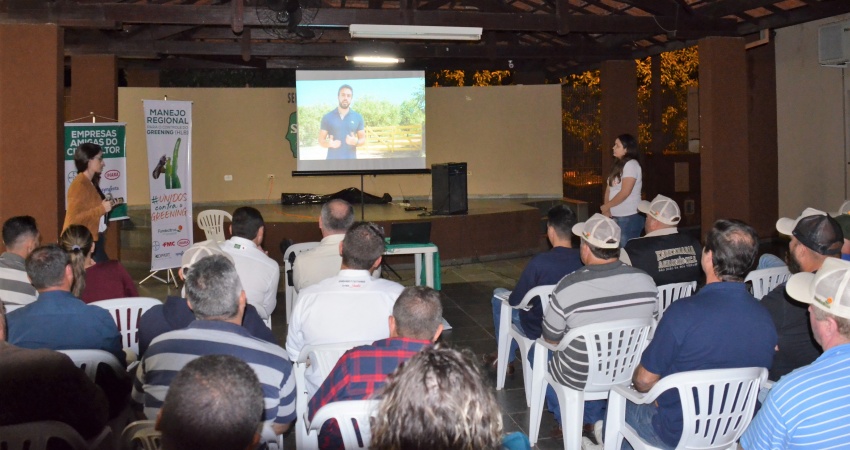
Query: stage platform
[(493, 228)]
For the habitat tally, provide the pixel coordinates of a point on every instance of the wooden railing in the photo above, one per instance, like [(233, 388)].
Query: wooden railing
[(393, 138)]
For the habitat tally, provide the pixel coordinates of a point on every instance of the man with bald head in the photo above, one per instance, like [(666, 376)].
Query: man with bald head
[(324, 261)]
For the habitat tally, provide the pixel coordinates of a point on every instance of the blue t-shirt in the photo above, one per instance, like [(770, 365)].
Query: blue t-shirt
[(721, 327), (339, 128), (545, 268)]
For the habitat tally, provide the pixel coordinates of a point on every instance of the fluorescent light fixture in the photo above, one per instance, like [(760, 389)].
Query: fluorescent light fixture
[(375, 59), (414, 32)]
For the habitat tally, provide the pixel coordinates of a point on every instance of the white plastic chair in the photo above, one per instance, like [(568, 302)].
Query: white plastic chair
[(89, 359), (346, 413), (509, 332), (35, 436), (140, 434), (212, 222), (765, 280), (613, 350), (717, 406), (669, 293), (10, 307), (288, 274), (322, 358), (126, 313)]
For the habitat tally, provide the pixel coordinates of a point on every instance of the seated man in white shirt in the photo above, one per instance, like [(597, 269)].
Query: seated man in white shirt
[(349, 307), (258, 273), (324, 261)]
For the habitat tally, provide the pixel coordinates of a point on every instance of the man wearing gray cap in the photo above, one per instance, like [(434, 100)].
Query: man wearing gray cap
[(604, 289), (810, 407), (815, 237), (665, 254)]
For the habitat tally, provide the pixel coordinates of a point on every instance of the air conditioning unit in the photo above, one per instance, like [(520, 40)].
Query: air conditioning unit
[(834, 44)]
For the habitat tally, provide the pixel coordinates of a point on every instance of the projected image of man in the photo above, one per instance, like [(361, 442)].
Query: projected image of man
[(342, 129)]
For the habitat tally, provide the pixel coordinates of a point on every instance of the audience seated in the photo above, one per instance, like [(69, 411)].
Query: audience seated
[(438, 400), (94, 281), (665, 254), (258, 273), (20, 236), (58, 320), (351, 306), (38, 385), (604, 289), (214, 402), (844, 221), (544, 269), (215, 295), (175, 313), (416, 323), (815, 237), (324, 261), (810, 407), (721, 327)]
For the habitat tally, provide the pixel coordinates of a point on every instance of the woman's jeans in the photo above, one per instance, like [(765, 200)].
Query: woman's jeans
[(630, 227)]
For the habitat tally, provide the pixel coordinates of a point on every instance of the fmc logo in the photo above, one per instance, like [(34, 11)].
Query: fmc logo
[(112, 174), (183, 242), (168, 244)]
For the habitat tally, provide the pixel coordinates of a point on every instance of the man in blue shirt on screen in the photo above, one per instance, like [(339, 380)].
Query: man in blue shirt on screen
[(342, 129)]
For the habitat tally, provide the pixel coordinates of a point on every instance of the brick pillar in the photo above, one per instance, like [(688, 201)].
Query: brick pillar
[(31, 104), (724, 152), (619, 106), (94, 89)]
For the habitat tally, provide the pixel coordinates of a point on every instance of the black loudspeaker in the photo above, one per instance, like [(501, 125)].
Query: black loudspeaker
[(448, 188)]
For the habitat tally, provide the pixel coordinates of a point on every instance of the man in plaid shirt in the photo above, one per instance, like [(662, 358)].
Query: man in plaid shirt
[(416, 323)]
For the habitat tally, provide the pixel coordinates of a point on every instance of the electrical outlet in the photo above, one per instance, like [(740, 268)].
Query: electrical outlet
[(228, 178), (270, 176)]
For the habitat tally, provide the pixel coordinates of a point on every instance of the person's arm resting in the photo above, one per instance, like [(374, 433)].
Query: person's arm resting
[(643, 379)]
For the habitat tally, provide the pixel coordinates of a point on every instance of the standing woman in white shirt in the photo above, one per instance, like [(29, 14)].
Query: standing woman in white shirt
[(622, 193)]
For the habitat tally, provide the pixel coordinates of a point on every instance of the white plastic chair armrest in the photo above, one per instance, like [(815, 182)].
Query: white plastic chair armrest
[(632, 395)]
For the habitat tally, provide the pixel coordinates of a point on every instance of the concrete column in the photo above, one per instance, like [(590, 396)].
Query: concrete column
[(619, 106), (31, 104), (94, 89), (724, 132)]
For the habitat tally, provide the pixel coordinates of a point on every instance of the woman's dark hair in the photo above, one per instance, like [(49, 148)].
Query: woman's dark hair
[(78, 242), (85, 153), (629, 143)]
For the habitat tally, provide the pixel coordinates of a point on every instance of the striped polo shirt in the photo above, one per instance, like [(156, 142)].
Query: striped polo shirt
[(593, 294), (15, 287), (169, 352), (808, 408)]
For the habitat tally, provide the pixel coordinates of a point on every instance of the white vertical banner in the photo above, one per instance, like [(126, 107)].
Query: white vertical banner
[(168, 128)]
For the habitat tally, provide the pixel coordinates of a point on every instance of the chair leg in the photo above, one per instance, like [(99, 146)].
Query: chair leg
[(572, 415), (504, 346), (538, 392), (526, 369), (614, 421)]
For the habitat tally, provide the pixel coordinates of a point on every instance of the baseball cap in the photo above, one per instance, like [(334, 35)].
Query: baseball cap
[(663, 209), (599, 231), (786, 226), (828, 289), (199, 251)]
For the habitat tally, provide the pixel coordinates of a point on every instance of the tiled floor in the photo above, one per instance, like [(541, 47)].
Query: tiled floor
[(467, 291)]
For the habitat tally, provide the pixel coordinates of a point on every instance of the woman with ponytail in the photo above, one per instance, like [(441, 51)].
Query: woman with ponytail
[(94, 281), (622, 193)]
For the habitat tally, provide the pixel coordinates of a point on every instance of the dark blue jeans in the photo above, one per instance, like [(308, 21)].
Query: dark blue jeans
[(630, 227)]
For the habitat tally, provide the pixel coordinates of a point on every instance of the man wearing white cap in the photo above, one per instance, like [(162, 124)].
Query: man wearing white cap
[(815, 238), (721, 327), (604, 289), (810, 407), (665, 254)]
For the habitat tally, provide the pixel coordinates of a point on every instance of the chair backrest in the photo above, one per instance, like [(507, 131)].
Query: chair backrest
[(717, 405), (141, 434), (543, 291), (126, 313), (613, 348), (35, 435), (322, 358), (212, 222), (669, 293), (765, 280), (88, 360), (294, 249), (347, 413)]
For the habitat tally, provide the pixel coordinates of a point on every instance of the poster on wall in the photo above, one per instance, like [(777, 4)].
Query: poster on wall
[(168, 131), (111, 137)]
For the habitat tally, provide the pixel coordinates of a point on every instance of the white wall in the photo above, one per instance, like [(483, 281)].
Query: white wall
[(811, 122)]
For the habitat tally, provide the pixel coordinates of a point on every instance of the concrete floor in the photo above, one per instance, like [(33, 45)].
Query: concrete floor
[(467, 291)]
